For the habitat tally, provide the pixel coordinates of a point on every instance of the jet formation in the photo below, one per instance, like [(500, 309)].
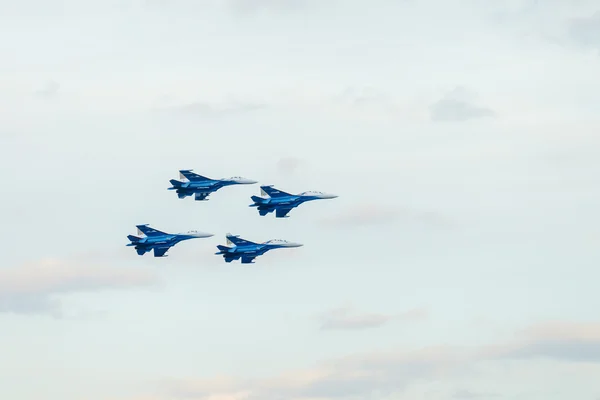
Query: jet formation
[(272, 200)]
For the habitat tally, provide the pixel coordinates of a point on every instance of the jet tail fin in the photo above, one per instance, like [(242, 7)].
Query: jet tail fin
[(191, 176), (235, 240), (272, 192)]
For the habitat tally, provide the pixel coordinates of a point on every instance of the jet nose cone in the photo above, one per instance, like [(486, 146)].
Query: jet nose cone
[(249, 182), (329, 196), (203, 234), (296, 245)]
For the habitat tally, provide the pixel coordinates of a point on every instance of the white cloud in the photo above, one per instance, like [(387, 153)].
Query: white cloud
[(348, 318), (384, 373), (35, 288), (457, 106)]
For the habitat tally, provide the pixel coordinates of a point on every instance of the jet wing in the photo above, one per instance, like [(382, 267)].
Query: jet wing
[(191, 176), (282, 212), (200, 196), (248, 259), (148, 231), (160, 251)]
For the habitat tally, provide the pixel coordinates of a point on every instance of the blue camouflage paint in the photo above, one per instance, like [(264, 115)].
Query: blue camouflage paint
[(201, 186), (247, 251), (152, 239), (282, 202)]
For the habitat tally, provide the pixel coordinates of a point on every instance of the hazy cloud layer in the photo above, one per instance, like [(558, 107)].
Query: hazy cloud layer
[(288, 165), (35, 288), (237, 7), (50, 89), (557, 341), (374, 214), (467, 395), (458, 105), (247, 6), (586, 31), (221, 109), (348, 318), (380, 374), (361, 98)]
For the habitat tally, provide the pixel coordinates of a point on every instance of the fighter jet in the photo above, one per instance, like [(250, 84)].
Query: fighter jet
[(201, 186), (282, 202), (152, 239), (246, 250)]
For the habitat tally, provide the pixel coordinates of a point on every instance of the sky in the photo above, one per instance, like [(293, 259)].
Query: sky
[(460, 260)]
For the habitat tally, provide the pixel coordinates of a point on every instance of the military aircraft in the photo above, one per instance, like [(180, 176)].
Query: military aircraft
[(246, 250), (152, 239), (201, 186), (282, 202)]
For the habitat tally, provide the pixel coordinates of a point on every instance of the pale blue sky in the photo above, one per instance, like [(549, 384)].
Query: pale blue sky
[(459, 262)]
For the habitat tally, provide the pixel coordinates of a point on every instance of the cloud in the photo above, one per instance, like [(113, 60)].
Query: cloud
[(354, 377), (34, 288), (468, 395), (207, 109), (457, 106), (586, 31), (50, 89), (253, 6), (367, 97), (213, 109), (346, 318), (373, 214), (558, 341), (239, 7), (387, 372), (288, 165)]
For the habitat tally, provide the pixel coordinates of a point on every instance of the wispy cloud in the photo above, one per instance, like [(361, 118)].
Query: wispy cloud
[(382, 373), (558, 341), (237, 7), (207, 109), (288, 165), (50, 89), (34, 288), (373, 214), (353, 377), (469, 395), (214, 109), (586, 31), (365, 97), (252, 6), (348, 318), (458, 105)]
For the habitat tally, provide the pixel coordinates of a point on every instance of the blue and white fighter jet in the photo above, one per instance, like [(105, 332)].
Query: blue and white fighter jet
[(152, 239), (246, 250), (200, 186), (282, 202)]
